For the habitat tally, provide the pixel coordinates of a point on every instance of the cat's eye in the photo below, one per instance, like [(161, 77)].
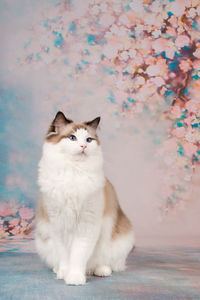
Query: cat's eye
[(72, 137), (88, 140)]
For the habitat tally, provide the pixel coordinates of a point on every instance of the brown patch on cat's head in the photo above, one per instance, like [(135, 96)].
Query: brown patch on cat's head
[(62, 127)]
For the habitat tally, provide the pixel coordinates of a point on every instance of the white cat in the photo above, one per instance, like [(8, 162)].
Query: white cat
[(80, 227)]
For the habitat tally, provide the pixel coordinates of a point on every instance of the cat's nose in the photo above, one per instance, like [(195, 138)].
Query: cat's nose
[(83, 147)]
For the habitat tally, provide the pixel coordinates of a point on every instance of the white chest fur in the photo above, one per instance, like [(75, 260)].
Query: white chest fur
[(70, 188)]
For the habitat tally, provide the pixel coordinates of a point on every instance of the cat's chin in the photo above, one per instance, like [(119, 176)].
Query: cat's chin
[(81, 155)]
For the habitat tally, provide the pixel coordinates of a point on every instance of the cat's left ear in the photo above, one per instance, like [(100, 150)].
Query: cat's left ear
[(94, 123), (58, 123)]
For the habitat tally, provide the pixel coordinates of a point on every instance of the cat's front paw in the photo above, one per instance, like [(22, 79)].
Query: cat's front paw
[(75, 278), (103, 271), (61, 272)]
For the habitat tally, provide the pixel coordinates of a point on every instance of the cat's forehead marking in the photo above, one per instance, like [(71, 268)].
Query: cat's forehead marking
[(81, 131), (72, 128), (84, 131)]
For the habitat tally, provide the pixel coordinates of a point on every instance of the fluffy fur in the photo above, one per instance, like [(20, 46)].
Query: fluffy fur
[(80, 226)]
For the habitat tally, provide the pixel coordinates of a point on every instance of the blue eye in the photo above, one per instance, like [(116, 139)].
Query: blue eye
[(88, 140), (72, 137)]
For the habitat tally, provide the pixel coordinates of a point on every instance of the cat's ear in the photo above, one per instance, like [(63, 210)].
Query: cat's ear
[(94, 123), (58, 123)]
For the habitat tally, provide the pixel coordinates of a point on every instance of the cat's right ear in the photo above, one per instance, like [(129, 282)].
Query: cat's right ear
[(58, 123)]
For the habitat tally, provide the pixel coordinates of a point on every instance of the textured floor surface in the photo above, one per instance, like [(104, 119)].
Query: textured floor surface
[(172, 273)]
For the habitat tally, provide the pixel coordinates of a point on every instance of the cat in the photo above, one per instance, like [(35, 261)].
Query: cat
[(80, 226)]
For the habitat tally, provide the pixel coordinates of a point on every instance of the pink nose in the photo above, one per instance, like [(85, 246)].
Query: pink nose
[(83, 147)]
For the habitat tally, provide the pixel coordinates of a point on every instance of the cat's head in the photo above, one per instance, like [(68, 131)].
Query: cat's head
[(77, 140)]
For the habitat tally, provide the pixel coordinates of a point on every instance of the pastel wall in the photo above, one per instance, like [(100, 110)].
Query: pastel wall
[(134, 63)]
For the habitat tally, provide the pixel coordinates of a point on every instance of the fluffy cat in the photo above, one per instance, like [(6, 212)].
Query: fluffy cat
[(80, 227)]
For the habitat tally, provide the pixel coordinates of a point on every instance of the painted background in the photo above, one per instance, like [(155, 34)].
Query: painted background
[(134, 63)]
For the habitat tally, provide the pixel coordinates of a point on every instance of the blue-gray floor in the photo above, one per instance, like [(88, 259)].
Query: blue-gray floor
[(151, 274)]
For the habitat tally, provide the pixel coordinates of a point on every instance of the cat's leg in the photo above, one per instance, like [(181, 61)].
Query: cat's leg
[(63, 247), (45, 245), (61, 267), (81, 249), (110, 254), (99, 263), (120, 248), (50, 246), (45, 249), (103, 271)]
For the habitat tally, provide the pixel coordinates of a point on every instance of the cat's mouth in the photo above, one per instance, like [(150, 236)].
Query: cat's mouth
[(82, 153)]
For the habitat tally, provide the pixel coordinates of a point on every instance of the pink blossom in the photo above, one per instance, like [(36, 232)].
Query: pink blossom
[(132, 17), (124, 55), (170, 144), (15, 230), (170, 51), (196, 64), (185, 65), (146, 44), (182, 40), (139, 81), (196, 84), (160, 45), (172, 75), (14, 222), (110, 51), (124, 20), (197, 53), (188, 120), (171, 31), (146, 91), (159, 81), (176, 111), (139, 60), (190, 148), (192, 12), (192, 106), (26, 213), (150, 60), (178, 7), (5, 210), (179, 132), (132, 53), (106, 20), (24, 224), (153, 70), (173, 21), (163, 67), (190, 136), (120, 96)]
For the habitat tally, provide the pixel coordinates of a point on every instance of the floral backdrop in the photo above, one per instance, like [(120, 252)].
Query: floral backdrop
[(137, 62)]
